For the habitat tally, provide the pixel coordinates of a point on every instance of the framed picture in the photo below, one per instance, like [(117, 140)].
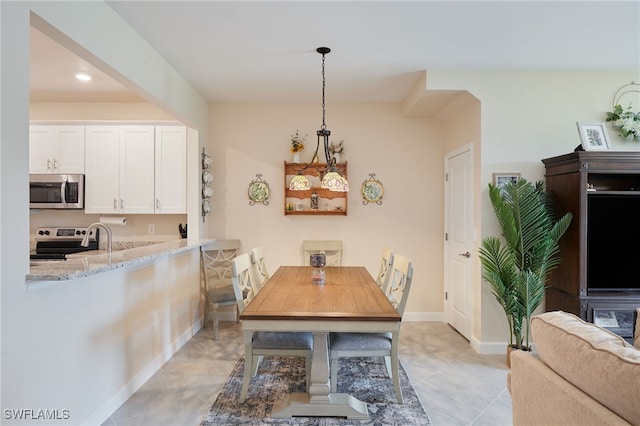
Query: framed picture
[(501, 179), (593, 136)]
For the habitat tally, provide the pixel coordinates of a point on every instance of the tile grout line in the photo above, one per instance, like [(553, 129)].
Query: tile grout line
[(488, 406)]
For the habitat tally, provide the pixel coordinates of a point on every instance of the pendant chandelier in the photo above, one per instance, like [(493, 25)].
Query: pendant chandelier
[(332, 180)]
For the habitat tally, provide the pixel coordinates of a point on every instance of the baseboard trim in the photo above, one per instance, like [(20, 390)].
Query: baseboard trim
[(120, 397), (423, 316), (489, 348)]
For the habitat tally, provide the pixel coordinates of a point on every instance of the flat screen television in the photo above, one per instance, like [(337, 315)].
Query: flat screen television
[(613, 242)]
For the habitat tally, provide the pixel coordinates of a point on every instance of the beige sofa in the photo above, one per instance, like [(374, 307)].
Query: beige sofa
[(578, 374)]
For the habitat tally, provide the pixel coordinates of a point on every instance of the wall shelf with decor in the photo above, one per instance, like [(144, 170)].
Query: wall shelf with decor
[(329, 203)]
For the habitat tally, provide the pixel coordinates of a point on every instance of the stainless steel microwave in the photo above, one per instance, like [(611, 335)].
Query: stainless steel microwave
[(54, 191)]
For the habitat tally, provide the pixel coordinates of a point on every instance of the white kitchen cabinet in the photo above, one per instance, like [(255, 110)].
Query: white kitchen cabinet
[(119, 175), (56, 149), (170, 169), (102, 176)]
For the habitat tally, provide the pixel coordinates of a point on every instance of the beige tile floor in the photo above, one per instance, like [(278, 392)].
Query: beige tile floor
[(456, 385)]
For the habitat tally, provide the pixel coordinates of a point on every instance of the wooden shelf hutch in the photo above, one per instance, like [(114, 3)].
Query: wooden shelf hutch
[(330, 203), (600, 262)]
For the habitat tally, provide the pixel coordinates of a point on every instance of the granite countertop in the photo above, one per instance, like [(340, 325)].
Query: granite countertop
[(85, 264)]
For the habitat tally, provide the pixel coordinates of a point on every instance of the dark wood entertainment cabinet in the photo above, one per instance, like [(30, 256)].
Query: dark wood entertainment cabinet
[(571, 179)]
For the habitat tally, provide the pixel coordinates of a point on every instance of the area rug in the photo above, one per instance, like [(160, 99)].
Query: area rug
[(364, 378)]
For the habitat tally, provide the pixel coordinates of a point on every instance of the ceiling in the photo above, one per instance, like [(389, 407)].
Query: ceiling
[(243, 51)]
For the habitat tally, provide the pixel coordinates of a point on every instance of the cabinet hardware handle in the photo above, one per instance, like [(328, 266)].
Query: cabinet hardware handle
[(121, 203), (157, 203), (55, 164), (115, 206), (467, 254), (48, 164)]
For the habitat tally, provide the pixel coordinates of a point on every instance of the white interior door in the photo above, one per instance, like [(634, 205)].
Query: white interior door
[(458, 245)]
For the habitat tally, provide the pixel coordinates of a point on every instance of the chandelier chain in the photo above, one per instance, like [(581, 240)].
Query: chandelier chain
[(324, 126)]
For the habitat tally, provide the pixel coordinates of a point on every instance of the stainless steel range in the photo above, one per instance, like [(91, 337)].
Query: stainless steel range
[(55, 243)]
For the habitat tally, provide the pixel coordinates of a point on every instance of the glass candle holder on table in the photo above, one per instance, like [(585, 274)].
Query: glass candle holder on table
[(318, 261)]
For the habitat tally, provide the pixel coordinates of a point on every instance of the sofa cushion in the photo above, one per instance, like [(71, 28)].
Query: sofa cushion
[(594, 360)]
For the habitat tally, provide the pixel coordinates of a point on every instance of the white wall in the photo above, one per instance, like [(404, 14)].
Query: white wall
[(519, 118), (525, 117), (83, 345), (467, 110), (405, 154)]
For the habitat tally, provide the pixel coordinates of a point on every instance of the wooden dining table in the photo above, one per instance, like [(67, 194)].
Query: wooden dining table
[(349, 301)]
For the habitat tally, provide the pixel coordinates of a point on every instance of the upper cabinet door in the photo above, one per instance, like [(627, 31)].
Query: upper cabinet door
[(56, 149), (40, 149), (69, 149), (171, 169), (102, 177), (135, 169), (137, 192)]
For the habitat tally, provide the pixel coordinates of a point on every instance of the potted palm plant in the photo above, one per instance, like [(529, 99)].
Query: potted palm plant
[(518, 264)]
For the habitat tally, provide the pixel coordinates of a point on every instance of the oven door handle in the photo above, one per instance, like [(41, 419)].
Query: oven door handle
[(63, 191)]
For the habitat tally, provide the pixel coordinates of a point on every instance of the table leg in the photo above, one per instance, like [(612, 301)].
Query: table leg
[(320, 402), (320, 386)]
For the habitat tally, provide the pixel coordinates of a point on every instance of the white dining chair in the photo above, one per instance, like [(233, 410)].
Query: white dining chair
[(215, 265), (265, 343), (348, 345), (259, 267), (332, 249), (385, 263)]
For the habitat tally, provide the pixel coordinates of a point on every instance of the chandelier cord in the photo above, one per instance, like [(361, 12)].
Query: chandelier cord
[(324, 111), (323, 129)]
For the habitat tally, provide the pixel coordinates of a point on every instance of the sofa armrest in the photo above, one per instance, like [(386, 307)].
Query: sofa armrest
[(541, 397)]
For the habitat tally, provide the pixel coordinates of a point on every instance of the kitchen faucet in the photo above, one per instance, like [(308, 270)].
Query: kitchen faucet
[(85, 239)]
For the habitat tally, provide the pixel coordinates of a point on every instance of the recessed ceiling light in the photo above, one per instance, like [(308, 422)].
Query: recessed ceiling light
[(83, 77)]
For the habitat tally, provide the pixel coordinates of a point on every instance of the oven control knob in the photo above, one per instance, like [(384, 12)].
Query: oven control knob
[(78, 232), (43, 232)]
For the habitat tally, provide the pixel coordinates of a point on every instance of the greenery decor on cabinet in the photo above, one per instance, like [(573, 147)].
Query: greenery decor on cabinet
[(625, 120), (517, 266), (329, 203)]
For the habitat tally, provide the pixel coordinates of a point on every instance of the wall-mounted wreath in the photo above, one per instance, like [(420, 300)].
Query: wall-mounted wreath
[(624, 119)]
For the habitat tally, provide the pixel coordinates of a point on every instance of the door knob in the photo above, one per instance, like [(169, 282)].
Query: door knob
[(467, 254)]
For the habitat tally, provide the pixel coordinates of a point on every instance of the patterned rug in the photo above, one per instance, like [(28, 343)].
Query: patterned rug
[(364, 378)]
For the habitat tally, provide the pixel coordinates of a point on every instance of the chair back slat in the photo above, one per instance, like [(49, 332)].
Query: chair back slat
[(259, 267), (216, 258), (332, 249), (387, 261), (400, 275), (242, 279)]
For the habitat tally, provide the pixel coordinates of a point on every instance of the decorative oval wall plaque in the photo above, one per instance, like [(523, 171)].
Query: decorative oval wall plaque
[(372, 190), (258, 191)]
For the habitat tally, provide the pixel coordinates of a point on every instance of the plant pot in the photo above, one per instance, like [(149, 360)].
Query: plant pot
[(296, 157)]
